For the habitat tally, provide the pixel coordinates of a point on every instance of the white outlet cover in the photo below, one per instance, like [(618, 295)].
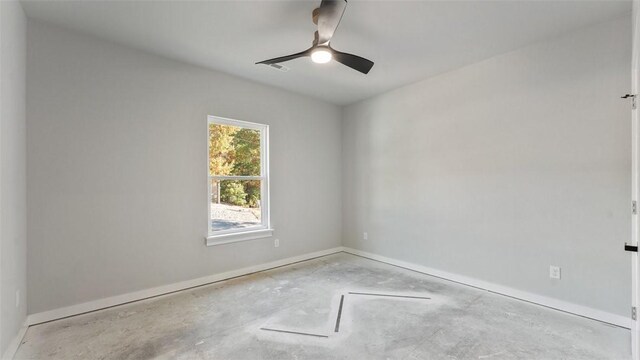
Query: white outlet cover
[(276, 242), (17, 298), (554, 272), (365, 236)]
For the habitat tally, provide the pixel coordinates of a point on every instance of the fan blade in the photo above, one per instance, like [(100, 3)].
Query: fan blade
[(353, 61), (286, 58), (329, 18)]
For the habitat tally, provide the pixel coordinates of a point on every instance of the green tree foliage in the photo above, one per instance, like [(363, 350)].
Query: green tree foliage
[(235, 151), (246, 143), (232, 192), (253, 193), (221, 151)]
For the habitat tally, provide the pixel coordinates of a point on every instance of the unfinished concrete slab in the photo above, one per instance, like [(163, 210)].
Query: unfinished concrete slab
[(425, 318)]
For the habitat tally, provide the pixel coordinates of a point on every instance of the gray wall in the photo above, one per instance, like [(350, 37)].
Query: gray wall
[(502, 168), (117, 174), (13, 213)]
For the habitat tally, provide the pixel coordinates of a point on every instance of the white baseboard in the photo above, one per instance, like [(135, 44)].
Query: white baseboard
[(15, 343), (504, 290), (171, 288), (82, 308)]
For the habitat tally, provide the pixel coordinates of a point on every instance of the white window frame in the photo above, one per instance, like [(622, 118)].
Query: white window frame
[(253, 232)]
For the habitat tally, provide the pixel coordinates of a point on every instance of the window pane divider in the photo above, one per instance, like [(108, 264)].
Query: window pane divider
[(239, 177)]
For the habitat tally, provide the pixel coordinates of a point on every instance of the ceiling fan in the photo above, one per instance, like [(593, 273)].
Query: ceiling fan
[(327, 17)]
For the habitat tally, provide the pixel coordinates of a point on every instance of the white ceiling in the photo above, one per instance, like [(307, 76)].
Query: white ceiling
[(407, 40)]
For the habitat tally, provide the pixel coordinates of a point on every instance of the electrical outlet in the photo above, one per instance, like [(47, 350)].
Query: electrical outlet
[(17, 298), (554, 272), (365, 236), (276, 242)]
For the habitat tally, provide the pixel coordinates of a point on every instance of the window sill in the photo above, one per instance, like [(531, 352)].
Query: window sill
[(237, 237)]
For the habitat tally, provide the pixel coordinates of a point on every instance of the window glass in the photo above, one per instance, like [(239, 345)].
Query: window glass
[(238, 182)]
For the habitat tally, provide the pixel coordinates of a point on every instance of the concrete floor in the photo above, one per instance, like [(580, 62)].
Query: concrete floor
[(226, 321)]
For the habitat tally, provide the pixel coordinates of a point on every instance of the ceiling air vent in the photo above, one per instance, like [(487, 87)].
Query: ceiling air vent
[(279, 67)]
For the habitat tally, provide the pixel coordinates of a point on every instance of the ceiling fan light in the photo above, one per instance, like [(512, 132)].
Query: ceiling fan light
[(321, 56)]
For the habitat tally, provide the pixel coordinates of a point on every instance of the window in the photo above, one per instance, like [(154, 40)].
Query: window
[(238, 181)]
